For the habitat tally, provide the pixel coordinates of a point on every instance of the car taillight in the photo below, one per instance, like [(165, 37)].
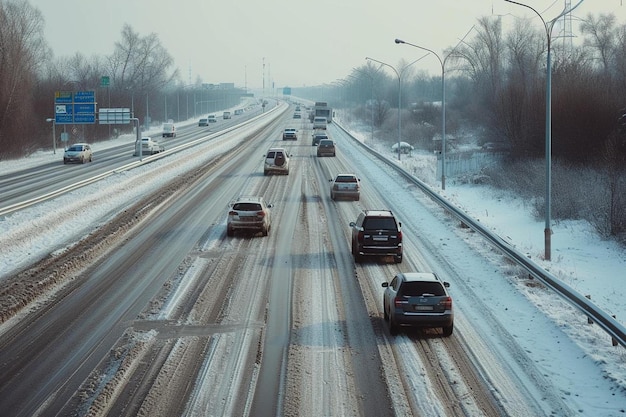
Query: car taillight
[(232, 213), (398, 301), (447, 303), (260, 213), (399, 235)]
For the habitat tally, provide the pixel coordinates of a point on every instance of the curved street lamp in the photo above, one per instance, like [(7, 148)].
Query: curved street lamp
[(548, 27), (442, 62), (399, 74)]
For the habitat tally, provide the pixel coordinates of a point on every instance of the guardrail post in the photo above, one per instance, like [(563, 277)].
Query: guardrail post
[(138, 137), (589, 321)]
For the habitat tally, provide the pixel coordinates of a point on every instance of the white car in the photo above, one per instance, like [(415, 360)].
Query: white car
[(290, 133), (276, 161), (249, 214), (78, 152), (147, 146), (345, 186)]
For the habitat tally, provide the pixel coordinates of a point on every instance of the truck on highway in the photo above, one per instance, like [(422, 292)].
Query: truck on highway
[(321, 109)]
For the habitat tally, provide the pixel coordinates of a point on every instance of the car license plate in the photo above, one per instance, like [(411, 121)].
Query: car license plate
[(380, 238), (248, 218), (423, 308)]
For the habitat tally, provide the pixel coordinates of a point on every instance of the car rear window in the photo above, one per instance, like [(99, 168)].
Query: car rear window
[(345, 178), (271, 154), (247, 207), (379, 223), (420, 288)]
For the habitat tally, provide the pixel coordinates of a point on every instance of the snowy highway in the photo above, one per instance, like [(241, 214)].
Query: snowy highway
[(148, 308)]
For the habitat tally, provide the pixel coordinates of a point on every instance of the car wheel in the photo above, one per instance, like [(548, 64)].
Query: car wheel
[(90, 158), (358, 197), (447, 330), (264, 231), (332, 196), (393, 327), (265, 173), (230, 231), (385, 314), (82, 159), (398, 259), (355, 254)]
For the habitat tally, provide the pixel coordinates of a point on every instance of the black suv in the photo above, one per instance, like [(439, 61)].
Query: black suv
[(376, 233), (418, 299)]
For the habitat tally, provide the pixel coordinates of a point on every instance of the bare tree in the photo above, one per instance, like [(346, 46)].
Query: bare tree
[(22, 50), (482, 59), (601, 37), (614, 157), (620, 60), (140, 66)]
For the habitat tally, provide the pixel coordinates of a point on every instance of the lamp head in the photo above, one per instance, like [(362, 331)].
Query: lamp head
[(399, 40)]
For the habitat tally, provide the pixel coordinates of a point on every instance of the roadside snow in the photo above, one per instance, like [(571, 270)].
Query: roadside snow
[(591, 265)]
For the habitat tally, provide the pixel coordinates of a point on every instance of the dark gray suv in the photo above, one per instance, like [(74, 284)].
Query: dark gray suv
[(418, 299), (376, 233)]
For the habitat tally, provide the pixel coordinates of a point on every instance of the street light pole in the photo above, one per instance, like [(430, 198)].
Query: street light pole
[(443, 100), (54, 135), (399, 74), (548, 27)]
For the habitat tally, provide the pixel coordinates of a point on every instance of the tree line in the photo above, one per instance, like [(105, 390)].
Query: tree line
[(141, 76), (496, 91), (496, 85)]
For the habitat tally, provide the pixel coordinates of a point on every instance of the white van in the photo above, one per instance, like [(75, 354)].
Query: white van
[(169, 130), (226, 115), (319, 123)]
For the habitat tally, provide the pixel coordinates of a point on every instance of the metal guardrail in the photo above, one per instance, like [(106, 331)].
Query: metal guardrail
[(616, 330), (609, 324)]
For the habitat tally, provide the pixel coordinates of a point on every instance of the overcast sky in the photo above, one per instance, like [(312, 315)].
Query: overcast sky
[(287, 42)]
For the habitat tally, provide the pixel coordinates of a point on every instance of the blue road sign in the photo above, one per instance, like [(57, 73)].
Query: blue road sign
[(85, 97), (75, 107), (84, 108), (84, 118)]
